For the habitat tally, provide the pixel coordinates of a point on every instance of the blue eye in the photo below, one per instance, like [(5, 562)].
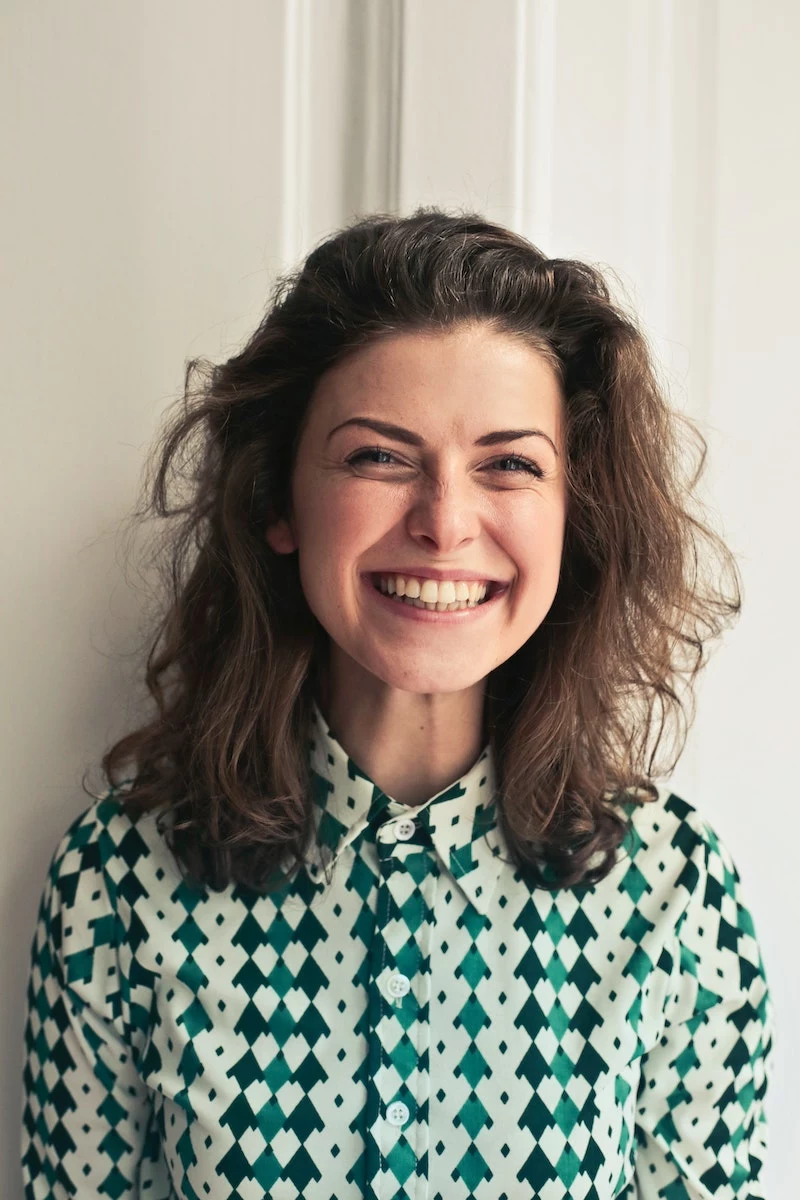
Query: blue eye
[(527, 466)]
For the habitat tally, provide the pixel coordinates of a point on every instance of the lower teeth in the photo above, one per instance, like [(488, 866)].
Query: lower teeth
[(456, 606)]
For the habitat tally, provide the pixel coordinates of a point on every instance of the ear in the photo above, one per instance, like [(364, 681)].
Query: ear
[(280, 537)]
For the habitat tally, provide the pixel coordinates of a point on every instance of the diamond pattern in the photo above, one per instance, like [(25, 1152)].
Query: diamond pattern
[(584, 1044)]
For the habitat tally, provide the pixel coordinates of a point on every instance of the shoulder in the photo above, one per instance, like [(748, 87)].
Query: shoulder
[(670, 835), (677, 857), (707, 920), (106, 843)]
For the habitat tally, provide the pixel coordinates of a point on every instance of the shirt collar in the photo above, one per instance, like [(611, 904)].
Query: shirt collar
[(461, 819)]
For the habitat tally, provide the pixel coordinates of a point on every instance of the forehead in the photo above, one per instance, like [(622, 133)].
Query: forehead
[(466, 375)]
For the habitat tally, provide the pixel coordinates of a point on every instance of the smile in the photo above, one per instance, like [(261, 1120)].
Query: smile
[(412, 608)]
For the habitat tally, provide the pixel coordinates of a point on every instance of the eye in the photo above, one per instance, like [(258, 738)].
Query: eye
[(527, 466), (362, 455)]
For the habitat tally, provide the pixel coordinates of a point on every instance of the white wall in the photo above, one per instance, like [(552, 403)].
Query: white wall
[(165, 158)]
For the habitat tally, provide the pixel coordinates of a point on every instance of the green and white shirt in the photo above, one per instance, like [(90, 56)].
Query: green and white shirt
[(421, 1026)]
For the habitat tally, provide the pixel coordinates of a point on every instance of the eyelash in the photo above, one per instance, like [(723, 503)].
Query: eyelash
[(530, 467)]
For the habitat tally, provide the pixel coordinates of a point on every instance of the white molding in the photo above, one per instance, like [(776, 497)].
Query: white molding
[(649, 159), (666, 67), (296, 129), (383, 95), (534, 120)]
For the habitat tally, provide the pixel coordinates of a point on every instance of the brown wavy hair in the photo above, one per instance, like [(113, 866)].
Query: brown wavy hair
[(575, 717)]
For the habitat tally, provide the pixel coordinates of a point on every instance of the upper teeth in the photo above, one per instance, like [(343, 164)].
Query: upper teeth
[(433, 591)]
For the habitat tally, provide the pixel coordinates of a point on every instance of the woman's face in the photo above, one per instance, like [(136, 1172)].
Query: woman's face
[(444, 502)]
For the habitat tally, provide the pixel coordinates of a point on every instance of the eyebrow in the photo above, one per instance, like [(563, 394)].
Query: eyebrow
[(387, 429)]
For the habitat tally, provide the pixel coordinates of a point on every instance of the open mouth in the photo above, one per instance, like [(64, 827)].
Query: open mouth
[(493, 588)]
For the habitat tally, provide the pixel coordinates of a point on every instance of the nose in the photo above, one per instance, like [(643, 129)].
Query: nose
[(445, 515)]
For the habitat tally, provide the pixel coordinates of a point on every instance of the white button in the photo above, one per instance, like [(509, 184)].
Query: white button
[(399, 984), (397, 1113), (405, 829)]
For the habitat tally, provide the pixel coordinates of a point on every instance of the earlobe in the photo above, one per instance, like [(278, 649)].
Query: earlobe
[(280, 538)]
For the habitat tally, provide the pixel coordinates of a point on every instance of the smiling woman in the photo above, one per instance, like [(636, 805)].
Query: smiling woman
[(388, 897)]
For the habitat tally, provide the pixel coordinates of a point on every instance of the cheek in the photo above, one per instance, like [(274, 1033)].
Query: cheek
[(539, 562), (354, 518), (540, 540), (335, 527)]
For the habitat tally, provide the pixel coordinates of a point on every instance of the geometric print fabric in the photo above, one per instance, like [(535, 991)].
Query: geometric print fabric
[(406, 1019)]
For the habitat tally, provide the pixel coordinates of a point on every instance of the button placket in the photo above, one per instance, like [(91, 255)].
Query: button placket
[(398, 984), (406, 1030), (403, 932)]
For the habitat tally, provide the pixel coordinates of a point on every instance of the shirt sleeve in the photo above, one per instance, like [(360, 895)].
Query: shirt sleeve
[(85, 1108), (701, 1129)]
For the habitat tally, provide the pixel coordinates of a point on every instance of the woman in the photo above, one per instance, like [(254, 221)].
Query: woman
[(386, 900)]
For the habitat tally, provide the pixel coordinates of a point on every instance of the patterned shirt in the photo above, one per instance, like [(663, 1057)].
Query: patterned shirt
[(405, 1020)]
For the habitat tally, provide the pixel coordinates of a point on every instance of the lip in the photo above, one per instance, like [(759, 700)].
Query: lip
[(411, 613)]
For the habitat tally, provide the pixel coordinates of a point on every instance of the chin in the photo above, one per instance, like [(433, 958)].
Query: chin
[(429, 681)]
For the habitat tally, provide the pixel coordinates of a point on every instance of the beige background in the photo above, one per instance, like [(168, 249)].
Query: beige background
[(163, 159)]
